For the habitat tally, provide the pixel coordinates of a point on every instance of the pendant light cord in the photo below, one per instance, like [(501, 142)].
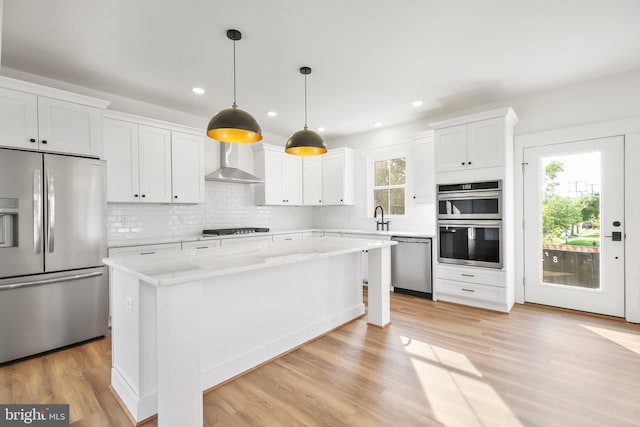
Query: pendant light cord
[(234, 75), (305, 102)]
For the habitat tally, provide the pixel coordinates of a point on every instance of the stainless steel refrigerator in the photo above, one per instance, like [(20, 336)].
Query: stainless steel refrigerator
[(53, 287)]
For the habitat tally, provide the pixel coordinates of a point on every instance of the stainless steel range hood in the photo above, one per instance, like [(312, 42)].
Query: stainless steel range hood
[(228, 171)]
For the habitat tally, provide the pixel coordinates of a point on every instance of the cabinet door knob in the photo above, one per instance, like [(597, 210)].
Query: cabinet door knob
[(32, 140), (135, 195), (319, 201), (469, 163), (144, 195), (414, 197), (462, 163), (175, 197), (44, 141)]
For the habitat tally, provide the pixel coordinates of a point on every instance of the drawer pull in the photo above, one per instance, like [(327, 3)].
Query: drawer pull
[(148, 253), (468, 275), (202, 247), (468, 290)]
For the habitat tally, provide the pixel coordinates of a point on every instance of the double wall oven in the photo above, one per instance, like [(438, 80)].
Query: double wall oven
[(470, 224)]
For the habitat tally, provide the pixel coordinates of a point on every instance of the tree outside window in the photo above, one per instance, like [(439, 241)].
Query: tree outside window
[(390, 185)]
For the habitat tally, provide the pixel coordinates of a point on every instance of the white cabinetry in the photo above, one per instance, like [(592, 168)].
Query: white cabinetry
[(154, 164), (187, 168), (312, 180), (288, 236), (482, 287), (145, 249), (475, 148), (200, 244), (282, 174), (338, 177), (151, 164), (422, 161), (474, 145), (250, 242), (69, 124)]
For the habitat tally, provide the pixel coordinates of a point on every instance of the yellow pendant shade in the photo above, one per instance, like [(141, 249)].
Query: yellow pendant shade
[(233, 124)]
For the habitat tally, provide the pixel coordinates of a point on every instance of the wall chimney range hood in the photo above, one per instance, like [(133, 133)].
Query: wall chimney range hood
[(228, 171)]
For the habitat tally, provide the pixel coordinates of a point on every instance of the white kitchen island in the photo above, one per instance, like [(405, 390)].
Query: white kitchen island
[(187, 321)]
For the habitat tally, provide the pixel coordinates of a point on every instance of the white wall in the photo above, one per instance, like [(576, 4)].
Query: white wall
[(600, 100)]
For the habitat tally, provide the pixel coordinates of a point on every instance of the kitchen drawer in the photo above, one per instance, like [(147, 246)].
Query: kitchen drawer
[(288, 236), (259, 242), (200, 244), (484, 276), (470, 290), (366, 236), (145, 249)]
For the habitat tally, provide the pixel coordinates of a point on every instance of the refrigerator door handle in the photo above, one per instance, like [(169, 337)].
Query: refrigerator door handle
[(37, 211), (51, 209), (49, 281)]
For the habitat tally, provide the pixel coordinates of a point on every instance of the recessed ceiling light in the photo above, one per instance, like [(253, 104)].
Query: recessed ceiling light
[(271, 113), (377, 124), (198, 90), (417, 103), (321, 129)]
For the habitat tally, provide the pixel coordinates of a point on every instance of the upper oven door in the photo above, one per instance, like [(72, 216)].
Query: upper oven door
[(470, 205), (477, 243)]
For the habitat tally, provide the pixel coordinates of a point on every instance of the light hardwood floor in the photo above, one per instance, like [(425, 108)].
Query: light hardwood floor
[(437, 364)]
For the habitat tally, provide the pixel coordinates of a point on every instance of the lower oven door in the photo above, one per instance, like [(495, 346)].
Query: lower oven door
[(477, 243)]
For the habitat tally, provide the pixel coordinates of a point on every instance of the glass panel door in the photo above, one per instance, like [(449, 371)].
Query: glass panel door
[(574, 229)]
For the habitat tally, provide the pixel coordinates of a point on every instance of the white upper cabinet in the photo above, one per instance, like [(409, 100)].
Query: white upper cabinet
[(292, 179), (121, 154), (312, 180), (154, 154), (282, 174), (187, 168), (338, 177), (65, 127), (475, 145), (35, 117), (422, 163), (150, 164), (18, 119), (486, 143)]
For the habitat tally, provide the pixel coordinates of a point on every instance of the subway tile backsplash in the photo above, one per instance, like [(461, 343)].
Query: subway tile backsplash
[(226, 205)]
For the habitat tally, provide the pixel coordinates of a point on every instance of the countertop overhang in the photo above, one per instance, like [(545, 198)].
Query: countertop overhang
[(173, 268)]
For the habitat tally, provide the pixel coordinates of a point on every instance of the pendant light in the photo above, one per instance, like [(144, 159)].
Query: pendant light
[(305, 142), (234, 124)]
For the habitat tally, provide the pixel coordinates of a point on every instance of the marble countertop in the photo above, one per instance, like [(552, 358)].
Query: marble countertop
[(159, 241), (165, 269)]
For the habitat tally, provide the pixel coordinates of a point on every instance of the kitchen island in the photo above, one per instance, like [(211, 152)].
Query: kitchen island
[(185, 322)]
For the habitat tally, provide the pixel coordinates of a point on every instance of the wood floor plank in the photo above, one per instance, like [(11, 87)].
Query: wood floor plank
[(437, 364)]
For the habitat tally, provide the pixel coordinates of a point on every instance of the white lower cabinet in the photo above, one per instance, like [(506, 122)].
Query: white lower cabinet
[(145, 249), (288, 236), (200, 244), (480, 287), (255, 242)]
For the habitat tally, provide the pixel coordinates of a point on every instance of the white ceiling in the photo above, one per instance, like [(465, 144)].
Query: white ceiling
[(370, 58)]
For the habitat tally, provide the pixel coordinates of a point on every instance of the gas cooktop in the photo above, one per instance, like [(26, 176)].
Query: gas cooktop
[(238, 230)]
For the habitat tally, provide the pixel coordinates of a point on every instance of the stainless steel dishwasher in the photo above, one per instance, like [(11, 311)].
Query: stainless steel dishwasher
[(411, 266)]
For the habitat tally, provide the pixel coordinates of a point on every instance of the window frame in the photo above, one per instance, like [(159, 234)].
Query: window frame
[(386, 155)]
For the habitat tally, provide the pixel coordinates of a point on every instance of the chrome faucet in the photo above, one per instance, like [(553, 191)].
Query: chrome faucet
[(382, 222)]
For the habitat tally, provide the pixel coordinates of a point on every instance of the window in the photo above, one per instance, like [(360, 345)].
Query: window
[(389, 185)]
